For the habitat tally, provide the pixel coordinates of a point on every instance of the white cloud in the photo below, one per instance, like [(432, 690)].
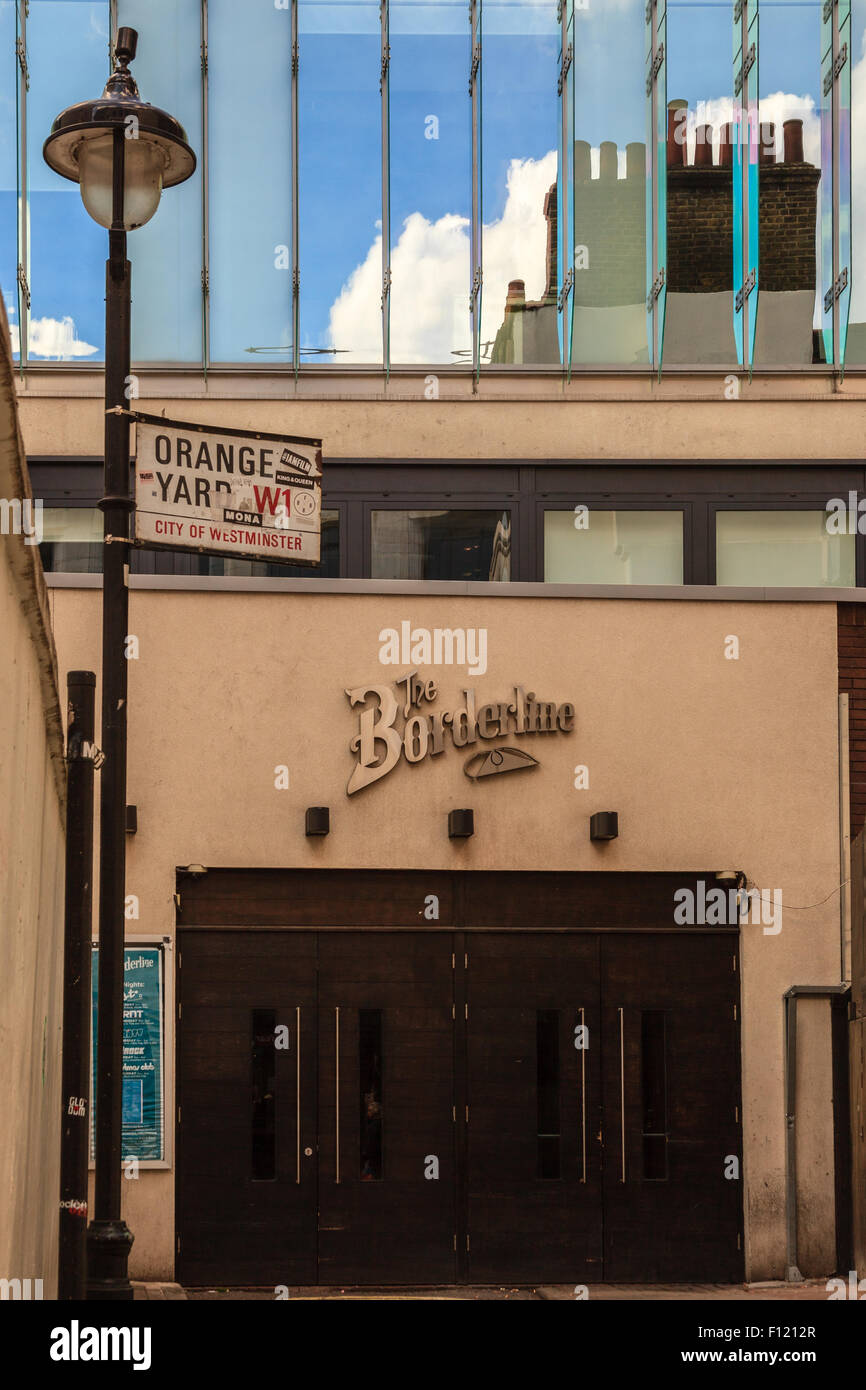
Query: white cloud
[(54, 338), (430, 276)]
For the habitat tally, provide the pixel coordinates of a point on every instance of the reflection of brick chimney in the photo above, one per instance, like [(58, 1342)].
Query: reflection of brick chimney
[(700, 213), (550, 289)]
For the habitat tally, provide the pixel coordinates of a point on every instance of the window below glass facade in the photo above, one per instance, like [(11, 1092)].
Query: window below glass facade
[(440, 545), (782, 548), (589, 546), (72, 540), (760, 525)]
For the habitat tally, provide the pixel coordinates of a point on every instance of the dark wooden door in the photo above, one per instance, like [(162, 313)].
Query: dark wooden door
[(670, 1046), (407, 1107), (246, 1191), (386, 1120), (534, 1153)]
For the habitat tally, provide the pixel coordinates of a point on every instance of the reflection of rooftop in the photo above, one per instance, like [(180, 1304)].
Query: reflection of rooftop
[(609, 290)]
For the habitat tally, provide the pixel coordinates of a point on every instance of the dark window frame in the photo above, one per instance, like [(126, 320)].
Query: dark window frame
[(526, 488)]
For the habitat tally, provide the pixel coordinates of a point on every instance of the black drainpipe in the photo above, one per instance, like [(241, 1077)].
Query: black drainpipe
[(838, 995)]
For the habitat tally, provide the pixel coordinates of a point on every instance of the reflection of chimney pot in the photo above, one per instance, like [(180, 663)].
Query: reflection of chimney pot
[(582, 161), (516, 294), (677, 125), (635, 161), (703, 146), (767, 146), (793, 135), (726, 145), (607, 160)]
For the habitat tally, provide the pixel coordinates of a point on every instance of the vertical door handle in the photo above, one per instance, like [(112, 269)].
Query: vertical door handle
[(582, 1098), (622, 1089), (298, 1097), (337, 1074)]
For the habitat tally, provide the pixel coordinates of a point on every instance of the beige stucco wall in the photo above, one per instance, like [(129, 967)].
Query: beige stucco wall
[(711, 763), (703, 417), (32, 811)]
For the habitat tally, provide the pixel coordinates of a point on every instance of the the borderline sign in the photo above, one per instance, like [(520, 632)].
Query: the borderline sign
[(227, 492)]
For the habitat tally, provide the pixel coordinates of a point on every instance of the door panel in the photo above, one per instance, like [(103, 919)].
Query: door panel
[(534, 1183), (385, 1108), (246, 1209), (576, 1163), (671, 1065)]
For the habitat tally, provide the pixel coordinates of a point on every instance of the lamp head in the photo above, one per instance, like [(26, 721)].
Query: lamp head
[(86, 139)]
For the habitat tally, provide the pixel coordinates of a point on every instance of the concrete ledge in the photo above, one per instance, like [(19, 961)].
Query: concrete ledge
[(420, 588)]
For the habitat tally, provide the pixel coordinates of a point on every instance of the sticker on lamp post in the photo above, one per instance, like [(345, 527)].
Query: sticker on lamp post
[(227, 492)]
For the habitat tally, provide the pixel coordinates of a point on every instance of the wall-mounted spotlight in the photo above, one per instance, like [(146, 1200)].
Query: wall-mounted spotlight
[(194, 870), (131, 820), (317, 820), (604, 825), (461, 824)]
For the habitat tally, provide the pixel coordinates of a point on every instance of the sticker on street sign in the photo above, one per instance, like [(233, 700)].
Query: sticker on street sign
[(227, 492)]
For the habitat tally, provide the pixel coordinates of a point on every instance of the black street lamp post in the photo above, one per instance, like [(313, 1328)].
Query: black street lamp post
[(122, 152)]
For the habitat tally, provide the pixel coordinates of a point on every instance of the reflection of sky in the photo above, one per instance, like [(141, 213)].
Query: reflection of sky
[(340, 148), (67, 52)]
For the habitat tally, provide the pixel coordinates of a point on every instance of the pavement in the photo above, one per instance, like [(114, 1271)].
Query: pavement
[(811, 1290)]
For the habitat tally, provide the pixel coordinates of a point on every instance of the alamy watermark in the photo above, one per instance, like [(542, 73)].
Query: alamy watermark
[(22, 517), (712, 906)]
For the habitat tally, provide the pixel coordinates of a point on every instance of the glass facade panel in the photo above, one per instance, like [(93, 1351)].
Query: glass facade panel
[(520, 118), (622, 547), (547, 1080), (9, 168), (780, 548), (791, 169), (563, 189), (250, 181), (855, 351), (67, 56), (654, 1095), (166, 254), (340, 182), (263, 1083), (441, 545), (430, 182), (609, 199), (370, 1094), (72, 540), (699, 307)]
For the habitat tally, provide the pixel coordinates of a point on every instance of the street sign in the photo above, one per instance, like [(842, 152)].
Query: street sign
[(227, 492)]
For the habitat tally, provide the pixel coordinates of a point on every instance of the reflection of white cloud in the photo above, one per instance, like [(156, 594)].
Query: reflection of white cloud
[(53, 338), (515, 247), (430, 276)]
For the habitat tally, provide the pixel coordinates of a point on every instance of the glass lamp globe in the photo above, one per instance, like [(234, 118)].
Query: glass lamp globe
[(144, 164)]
